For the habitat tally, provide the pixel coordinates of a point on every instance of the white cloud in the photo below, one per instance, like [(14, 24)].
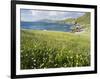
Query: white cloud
[(34, 15)]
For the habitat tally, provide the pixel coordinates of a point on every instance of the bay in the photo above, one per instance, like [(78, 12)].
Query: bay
[(46, 26)]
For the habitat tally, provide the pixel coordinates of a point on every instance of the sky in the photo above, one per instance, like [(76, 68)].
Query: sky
[(36, 15)]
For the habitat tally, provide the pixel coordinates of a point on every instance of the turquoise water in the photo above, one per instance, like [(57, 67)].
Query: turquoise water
[(46, 26)]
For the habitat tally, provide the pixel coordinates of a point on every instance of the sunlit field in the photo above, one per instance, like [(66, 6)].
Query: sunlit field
[(52, 49)]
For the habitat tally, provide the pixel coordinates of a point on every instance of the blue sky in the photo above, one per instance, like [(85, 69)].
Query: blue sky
[(35, 15)]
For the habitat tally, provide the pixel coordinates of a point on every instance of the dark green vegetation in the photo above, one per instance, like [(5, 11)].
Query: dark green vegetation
[(46, 49)]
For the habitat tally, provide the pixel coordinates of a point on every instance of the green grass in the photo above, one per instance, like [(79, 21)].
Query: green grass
[(49, 49)]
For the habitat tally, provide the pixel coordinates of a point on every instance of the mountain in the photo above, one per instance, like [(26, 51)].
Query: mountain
[(41, 21), (46, 21), (69, 20)]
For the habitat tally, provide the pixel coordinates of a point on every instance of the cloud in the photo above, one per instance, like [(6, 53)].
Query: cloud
[(34, 15)]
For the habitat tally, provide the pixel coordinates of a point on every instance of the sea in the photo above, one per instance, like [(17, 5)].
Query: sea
[(46, 26)]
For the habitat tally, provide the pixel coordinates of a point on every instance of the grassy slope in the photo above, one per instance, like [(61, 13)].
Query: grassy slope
[(44, 49), (83, 20)]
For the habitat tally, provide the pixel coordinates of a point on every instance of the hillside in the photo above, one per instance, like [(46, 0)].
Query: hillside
[(46, 49), (85, 19)]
